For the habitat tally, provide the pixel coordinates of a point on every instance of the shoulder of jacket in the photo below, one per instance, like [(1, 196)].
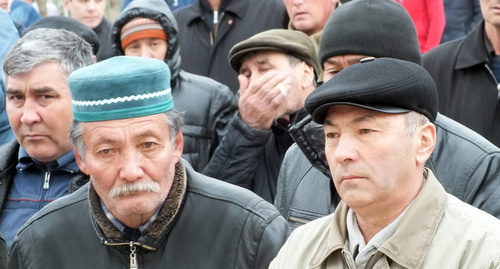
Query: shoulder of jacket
[(227, 194), (465, 137)]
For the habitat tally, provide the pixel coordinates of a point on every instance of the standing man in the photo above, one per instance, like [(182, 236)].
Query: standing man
[(144, 206), (147, 28), (309, 16), (467, 75), (278, 69), (208, 29), (91, 13), (39, 166), (378, 124)]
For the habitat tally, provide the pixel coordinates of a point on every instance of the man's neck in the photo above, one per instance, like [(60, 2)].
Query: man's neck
[(493, 34), (377, 216), (214, 4)]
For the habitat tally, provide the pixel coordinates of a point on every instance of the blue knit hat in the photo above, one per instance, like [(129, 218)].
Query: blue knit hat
[(120, 87)]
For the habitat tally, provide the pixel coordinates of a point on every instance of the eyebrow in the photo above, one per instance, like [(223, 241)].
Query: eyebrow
[(365, 117), (260, 62), (39, 90)]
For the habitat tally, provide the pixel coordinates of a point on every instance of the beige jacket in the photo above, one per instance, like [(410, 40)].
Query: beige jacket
[(437, 231)]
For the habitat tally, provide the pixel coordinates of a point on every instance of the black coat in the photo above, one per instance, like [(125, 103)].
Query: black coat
[(467, 89), (251, 158), (466, 164), (204, 223), (239, 20)]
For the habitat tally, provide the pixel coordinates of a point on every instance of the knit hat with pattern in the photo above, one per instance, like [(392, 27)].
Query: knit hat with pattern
[(139, 28)]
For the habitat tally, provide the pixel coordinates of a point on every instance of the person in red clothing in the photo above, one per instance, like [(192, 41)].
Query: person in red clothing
[(429, 19)]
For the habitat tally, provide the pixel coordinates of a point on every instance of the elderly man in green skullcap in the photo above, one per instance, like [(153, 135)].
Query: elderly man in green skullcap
[(144, 206)]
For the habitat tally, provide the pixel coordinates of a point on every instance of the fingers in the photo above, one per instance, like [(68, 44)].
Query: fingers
[(266, 86)]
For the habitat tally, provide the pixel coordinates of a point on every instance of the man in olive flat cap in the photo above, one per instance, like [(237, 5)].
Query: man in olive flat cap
[(378, 119), (144, 206), (277, 71)]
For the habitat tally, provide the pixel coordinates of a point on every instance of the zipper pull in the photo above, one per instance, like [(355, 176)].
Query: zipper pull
[(133, 256), (216, 17), (46, 181)]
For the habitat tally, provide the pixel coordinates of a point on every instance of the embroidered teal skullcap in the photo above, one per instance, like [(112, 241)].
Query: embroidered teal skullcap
[(120, 87)]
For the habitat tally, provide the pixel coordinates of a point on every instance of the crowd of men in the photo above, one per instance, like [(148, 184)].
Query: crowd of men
[(248, 134)]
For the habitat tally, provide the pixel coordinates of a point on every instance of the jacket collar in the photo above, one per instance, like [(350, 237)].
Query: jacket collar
[(409, 244), (473, 50), (155, 232)]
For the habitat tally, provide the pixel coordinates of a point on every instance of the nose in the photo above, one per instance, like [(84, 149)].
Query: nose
[(131, 165), (91, 6), (145, 52), (30, 113), (346, 149)]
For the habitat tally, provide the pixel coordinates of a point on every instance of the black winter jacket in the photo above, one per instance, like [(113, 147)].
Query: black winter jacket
[(206, 55), (251, 158), (467, 89), (466, 164), (204, 223), (207, 105)]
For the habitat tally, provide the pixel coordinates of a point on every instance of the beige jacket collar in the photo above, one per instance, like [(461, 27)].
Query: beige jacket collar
[(410, 243)]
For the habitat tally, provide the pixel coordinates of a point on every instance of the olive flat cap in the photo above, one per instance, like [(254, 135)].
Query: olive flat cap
[(386, 85), (291, 42)]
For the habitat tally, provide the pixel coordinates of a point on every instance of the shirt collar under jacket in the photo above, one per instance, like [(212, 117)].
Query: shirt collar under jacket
[(66, 162), (356, 241), (122, 227)]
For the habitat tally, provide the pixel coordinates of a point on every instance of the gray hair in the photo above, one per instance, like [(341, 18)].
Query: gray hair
[(48, 45), (173, 117), (413, 120)]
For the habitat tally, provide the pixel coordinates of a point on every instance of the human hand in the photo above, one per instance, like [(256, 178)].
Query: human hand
[(263, 99)]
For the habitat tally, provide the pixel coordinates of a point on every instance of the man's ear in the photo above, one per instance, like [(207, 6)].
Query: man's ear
[(308, 76), (426, 142), (80, 162), (179, 145)]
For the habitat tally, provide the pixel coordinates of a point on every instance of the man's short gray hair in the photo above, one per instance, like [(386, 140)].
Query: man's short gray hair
[(48, 45), (173, 117), (413, 120)]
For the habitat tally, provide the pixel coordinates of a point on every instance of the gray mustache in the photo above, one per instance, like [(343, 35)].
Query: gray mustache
[(134, 187)]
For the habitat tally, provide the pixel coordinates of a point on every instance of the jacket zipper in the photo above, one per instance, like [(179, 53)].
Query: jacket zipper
[(215, 27), (133, 249), (133, 256), (46, 181)]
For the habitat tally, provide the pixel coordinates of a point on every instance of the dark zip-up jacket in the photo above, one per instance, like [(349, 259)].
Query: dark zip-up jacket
[(466, 164), (467, 88), (205, 52), (204, 223), (207, 105)]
